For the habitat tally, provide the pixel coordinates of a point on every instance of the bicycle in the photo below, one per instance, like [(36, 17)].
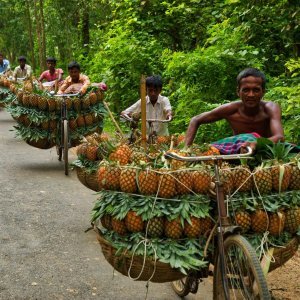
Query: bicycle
[(237, 271), (134, 135), (64, 141)]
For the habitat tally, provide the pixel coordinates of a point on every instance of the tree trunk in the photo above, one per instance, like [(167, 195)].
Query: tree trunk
[(43, 36), (31, 40)]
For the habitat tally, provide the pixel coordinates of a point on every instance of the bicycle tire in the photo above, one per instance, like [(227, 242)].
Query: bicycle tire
[(181, 287), (66, 146), (242, 284)]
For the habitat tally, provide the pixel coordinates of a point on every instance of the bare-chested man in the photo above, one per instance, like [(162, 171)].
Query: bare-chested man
[(250, 114)]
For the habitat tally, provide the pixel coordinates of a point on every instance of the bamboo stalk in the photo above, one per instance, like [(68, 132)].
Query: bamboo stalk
[(113, 119), (143, 110)]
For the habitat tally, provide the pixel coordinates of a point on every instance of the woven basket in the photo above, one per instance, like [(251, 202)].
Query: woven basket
[(92, 181), (121, 263), (81, 174), (41, 144), (282, 255)]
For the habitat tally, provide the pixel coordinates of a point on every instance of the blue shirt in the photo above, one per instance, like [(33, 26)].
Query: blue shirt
[(5, 66)]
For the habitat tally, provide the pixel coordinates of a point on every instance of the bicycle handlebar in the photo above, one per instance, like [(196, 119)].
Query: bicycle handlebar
[(173, 155), (128, 118), (67, 95)]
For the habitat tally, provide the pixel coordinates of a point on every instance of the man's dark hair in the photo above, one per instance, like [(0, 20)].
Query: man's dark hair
[(51, 59), (251, 72), (74, 64), (1, 54), (154, 81), (22, 58)]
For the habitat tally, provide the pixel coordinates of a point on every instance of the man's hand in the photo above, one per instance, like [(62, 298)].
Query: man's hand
[(169, 117), (252, 145)]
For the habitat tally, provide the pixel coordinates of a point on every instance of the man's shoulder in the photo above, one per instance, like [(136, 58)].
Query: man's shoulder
[(270, 106)]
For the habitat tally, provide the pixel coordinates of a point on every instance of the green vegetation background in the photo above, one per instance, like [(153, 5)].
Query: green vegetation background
[(197, 46)]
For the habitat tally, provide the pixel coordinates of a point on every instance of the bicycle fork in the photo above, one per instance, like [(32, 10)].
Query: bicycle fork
[(223, 221)]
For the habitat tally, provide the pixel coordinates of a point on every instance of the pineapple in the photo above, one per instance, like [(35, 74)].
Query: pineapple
[(119, 226), (243, 219), (26, 100), (42, 103), (173, 228), (147, 182), (138, 156), (259, 221), (77, 104), (128, 180), (292, 214), (242, 178), (86, 102), (176, 164), (262, 177), (33, 100), (106, 221), (88, 118), (155, 227), (72, 124), (201, 181), (51, 104), (276, 223), (166, 185), (227, 179), (163, 140), (81, 150), (121, 154), (281, 173), (20, 97), (192, 227), (292, 220), (206, 225), (101, 176), (112, 178), (91, 152), (184, 182), (295, 177), (45, 125), (80, 121), (134, 222), (93, 98)]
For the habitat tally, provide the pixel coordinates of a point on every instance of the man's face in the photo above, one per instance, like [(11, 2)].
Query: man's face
[(51, 65), (1, 59), (22, 63), (251, 91), (74, 74), (153, 93)]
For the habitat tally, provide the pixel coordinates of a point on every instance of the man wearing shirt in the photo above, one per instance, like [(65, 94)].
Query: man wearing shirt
[(4, 64), (157, 106), (23, 70)]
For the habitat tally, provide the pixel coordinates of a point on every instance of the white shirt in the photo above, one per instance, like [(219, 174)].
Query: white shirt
[(158, 111)]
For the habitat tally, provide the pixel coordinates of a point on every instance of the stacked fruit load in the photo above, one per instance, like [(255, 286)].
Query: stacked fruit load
[(263, 199), (38, 115), (7, 89)]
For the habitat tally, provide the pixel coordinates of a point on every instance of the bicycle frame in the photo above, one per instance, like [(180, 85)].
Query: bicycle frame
[(223, 220)]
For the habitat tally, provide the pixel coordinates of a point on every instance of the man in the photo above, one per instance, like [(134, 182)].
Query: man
[(23, 70), (75, 82), (52, 73), (250, 114), (157, 106), (4, 64)]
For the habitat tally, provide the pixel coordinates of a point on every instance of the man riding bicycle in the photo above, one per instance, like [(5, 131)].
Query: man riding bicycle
[(158, 107)]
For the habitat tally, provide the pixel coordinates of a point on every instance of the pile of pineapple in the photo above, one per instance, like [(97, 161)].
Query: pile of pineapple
[(143, 194), (6, 94), (38, 115)]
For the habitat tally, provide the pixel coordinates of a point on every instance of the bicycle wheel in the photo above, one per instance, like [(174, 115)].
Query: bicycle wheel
[(66, 146), (181, 287), (243, 272)]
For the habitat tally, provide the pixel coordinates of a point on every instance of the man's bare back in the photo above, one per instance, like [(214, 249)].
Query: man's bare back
[(250, 114)]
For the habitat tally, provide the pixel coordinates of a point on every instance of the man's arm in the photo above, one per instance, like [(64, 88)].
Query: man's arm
[(86, 82), (136, 107), (167, 108), (214, 115), (274, 111)]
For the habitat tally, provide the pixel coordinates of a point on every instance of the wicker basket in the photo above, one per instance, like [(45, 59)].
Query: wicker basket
[(81, 174), (282, 255), (92, 181), (121, 263), (41, 144)]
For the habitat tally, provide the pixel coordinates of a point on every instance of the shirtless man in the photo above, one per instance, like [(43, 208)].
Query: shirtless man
[(250, 114)]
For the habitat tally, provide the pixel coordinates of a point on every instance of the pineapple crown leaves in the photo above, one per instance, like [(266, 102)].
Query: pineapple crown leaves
[(279, 152)]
